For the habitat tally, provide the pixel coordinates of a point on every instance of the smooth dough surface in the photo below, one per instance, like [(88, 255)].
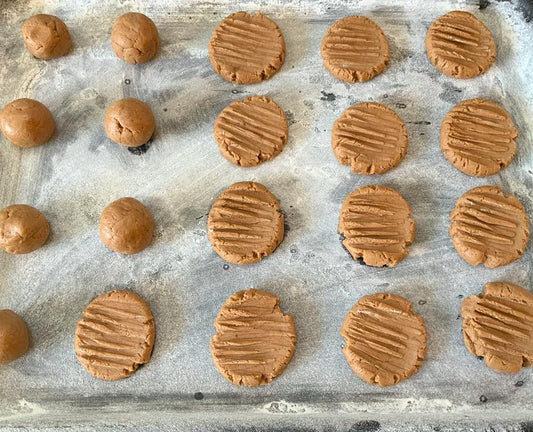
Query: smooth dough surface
[(255, 340), (377, 226), (498, 326), (246, 49), (369, 137), (384, 341), (245, 223), (355, 49), (126, 226), (27, 123), (251, 131), (23, 229), (135, 38), (478, 137), (460, 45), (489, 227), (115, 336), (46, 36), (14, 336), (129, 122)]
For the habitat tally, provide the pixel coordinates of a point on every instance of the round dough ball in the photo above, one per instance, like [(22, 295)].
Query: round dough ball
[(27, 123), (14, 336), (23, 229), (46, 36), (129, 122), (126, 226), (135, 38)]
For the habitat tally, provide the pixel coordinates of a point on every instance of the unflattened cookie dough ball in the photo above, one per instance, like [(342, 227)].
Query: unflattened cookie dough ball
[(134, 38), (129, 122), (14, 336), (27, 123), (126, 226), (246, 49), (23, 229), (46, 36)]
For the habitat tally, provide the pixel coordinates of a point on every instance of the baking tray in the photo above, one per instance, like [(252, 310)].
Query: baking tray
[(75, 176)]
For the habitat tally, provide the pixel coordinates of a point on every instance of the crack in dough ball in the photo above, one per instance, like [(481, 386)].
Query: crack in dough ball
[(129, 122), (23, 229), (46, 36)]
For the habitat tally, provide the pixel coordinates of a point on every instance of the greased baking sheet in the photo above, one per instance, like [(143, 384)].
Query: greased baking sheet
[(75, 176)]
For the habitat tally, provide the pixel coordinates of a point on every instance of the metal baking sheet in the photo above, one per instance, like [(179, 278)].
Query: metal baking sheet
[(72, 178)]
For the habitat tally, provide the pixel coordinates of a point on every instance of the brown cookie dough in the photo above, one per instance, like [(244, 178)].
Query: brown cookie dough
[(23, 229), (489, 227), (46, 36), (377, 226), (384, 341), (27, 123), (459, 45), (245, 223), (134, 38), (14, 336), (129, 122), (115, 336), (246, 49), (478, 137), (254, 341), (498, 325), (370, 138), (126, 226), (251, 131), (355, 49)]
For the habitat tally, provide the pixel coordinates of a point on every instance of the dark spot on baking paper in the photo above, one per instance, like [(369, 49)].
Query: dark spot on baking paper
[(235, 91), (141, 149), (400, 105), (225, 267), (127, 81), (526, 426), (290, 117), (422, 302), (293, 249), (480, 357), (422, 133), (385, 96), (420, 122), (483, 399), (198, 396), (165, 109), (361, 261), (450, 93), (330, 97), (436, 429), (530, 172), (483, 4), (286, 227), (458, 317), (460, 296), (383, 285), (519, 383), (365, 426)]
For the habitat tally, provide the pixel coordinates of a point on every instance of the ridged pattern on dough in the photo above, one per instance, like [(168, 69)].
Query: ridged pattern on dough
[(369, 137), (245, 223), (385, 342), (489, 227), (251, 131), (254, 340), (478, 137), (377, 226)]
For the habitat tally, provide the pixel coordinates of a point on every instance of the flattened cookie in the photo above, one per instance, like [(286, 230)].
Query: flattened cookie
[(385, 342), (370, 138), (245, 223), (377, 226), (115, 336), (251, 131), (355, 49), (478, 137), (489, 227), (255, 340), (459, 45), (246, 49), (498, 325)]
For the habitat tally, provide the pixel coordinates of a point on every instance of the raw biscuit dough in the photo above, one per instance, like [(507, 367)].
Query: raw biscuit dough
[(129, 122), (46, 36), (115, 336), (460, 45), (489, 227), (14, 336), (245, 223), (355, 49), (27, 123), (134, 38), (369, 137), (377, 226), (498, 325), (251, 131), (246, 49), (23, 229), (126, 226), (384, 341), (255, 340)]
